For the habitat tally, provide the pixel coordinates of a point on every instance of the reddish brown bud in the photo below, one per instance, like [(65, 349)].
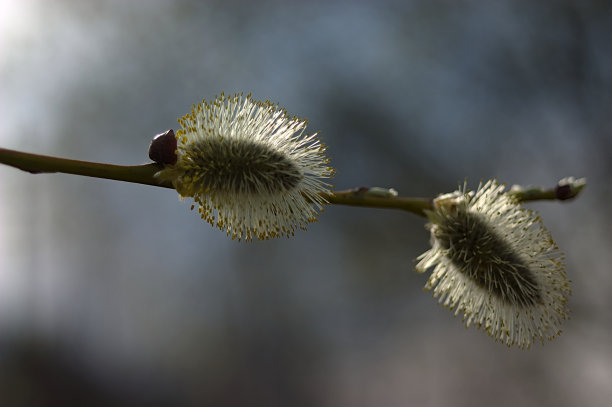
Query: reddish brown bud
[(563, 192), (163, 148)]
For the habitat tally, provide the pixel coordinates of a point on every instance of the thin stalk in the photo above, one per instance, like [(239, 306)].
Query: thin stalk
[(361, 197), (37, 164), (567, 188)]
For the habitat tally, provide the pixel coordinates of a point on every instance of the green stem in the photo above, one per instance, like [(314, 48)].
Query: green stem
[(361, 197), (365, 197), (36, 164)]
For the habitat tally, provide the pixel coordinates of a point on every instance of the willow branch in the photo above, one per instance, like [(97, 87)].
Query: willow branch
[(374, 197), (37, 164)]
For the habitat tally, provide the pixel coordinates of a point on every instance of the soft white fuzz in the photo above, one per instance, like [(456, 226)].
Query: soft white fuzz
[(494, 262), (249, 167)]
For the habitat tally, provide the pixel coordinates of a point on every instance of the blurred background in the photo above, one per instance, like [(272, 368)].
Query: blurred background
[(116, 294)]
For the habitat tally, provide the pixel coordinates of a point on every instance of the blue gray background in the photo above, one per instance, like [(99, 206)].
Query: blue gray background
[(117, 294)]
